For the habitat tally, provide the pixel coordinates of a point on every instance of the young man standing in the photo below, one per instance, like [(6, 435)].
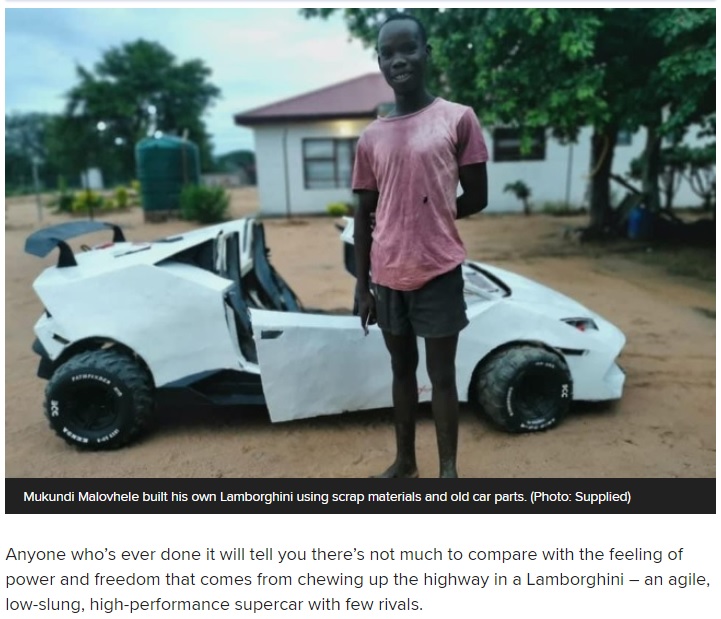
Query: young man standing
[(407, 168)]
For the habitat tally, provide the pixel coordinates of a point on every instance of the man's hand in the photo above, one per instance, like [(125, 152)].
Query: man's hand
[(364, 220), (366, 308), (474, 182)]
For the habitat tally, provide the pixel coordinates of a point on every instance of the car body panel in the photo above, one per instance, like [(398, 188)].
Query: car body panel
[(336, 368), (108, 257), (178, 318), (173, 317), (315, 364)]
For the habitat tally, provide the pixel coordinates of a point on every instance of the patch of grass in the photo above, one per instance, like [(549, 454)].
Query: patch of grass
[(562, 209), (696, 262)]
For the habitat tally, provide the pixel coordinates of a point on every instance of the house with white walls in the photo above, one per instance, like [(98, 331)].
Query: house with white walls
[(305, 145)]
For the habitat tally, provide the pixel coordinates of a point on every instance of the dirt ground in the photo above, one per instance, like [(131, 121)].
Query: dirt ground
[(664, 426)]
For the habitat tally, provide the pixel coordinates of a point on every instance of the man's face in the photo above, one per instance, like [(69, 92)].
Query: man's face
[(402, 56)]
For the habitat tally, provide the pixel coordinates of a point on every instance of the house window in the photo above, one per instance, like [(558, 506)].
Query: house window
[(328, 162), (624, 138), (507, 145)]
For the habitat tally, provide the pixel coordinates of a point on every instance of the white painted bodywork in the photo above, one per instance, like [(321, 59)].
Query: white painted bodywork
[(172, 315), (335, 367), (175, 317)]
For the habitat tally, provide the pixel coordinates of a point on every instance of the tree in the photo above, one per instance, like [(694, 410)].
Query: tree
[(700, 172), (695, 165), (26, 138), (238, 161), (673, 88), (564, 69), (131, 90), (679, 90), (686, 75)]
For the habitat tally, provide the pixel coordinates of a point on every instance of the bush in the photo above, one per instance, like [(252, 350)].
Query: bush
[(84, 200), (121, 197), (64, 199), (522, 192), (338, 209), (65, 202), (207, 205)]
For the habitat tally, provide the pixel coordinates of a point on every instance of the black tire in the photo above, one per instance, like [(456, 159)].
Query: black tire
[(100, 399), (524, 388)]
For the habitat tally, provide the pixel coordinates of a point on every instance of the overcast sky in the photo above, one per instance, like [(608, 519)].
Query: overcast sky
[(257, 56)]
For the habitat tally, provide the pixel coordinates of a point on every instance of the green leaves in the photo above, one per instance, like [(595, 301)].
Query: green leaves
[(134, 88), (565, 69), (206, 205), (26, 138)]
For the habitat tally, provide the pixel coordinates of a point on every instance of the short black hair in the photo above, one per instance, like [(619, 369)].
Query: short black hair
[(407, 16)]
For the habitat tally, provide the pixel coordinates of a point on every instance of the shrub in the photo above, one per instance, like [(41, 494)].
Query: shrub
[(121, 197), (65, 202), (338, 209), (65, 199), (522, 192), (206, 205), (85, 200)]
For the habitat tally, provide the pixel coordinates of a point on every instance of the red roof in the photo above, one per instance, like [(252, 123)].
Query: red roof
[(355, 98)]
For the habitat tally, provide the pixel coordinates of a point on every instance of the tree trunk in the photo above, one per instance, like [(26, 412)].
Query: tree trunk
[(603, 143), (668, 183), (652, 168)]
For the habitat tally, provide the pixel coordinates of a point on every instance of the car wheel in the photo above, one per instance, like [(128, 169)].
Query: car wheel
[(524, 388), (100, 399)]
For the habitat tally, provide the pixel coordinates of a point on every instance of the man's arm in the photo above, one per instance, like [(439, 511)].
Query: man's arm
[(474, 182), (362, 239)]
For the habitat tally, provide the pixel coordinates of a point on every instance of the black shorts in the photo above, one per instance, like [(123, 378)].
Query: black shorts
[(437, 309)]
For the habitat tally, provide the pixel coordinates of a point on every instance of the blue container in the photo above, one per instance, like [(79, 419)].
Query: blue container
[(640, 223)]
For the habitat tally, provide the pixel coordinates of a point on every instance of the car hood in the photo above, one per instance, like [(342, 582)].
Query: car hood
[(537, 297)]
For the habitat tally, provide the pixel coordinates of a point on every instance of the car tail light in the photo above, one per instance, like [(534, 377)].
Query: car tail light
[(582, 324)]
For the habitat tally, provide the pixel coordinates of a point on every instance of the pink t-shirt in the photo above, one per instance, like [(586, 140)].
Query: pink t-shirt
[(412, 161)]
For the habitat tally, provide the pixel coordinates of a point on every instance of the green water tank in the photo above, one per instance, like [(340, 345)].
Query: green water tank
[(165, 165)]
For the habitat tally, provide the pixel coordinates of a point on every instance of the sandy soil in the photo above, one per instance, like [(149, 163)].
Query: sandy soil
[(664, 426)]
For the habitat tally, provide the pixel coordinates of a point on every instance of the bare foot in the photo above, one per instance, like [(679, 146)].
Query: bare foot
[(399, 470)]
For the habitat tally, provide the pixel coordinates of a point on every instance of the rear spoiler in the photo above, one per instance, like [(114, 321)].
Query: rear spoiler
[(42, 242)]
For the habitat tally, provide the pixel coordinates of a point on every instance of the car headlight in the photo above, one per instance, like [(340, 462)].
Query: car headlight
[(582, 324)]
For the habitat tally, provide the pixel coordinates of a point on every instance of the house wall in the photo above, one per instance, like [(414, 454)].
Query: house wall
[(276, 144), (563, 174)]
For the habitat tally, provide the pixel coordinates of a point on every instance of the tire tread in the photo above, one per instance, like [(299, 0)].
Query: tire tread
[(127, 370), (493, 377)]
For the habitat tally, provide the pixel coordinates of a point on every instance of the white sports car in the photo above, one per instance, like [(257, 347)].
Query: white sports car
[(205, 315)]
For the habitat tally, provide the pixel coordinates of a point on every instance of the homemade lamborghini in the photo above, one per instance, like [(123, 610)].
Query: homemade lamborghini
[(205, 316)]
